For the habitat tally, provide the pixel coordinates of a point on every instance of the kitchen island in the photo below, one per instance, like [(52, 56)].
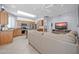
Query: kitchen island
[(6, 36)]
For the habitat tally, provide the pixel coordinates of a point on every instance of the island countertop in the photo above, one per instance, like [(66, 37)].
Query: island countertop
[(10, 29)]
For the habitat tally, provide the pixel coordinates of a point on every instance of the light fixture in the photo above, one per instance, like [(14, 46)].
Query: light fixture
[(27, 20), (2, 7), (25, 14)]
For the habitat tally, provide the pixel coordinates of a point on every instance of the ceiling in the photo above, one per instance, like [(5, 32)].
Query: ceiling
[(42, 10)]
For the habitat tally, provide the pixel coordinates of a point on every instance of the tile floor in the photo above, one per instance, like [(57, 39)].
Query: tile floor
[(18, 46)]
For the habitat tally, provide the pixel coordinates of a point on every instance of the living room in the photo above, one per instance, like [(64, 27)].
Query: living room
[(34, 22)]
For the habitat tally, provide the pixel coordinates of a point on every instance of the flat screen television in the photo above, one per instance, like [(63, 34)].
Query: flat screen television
[(61, 25)]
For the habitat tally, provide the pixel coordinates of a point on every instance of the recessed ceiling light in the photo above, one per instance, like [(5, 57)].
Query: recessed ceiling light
[(3, 6)]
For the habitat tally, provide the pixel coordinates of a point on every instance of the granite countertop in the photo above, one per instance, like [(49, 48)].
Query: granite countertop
[(7, 30)]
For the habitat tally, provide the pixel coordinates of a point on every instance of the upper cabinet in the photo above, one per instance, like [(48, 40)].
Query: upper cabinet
[(3, 17)]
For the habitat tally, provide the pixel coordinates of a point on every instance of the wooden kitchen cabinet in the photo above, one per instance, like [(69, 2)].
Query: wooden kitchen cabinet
[(3, 17), (17, 32), (6, 37)]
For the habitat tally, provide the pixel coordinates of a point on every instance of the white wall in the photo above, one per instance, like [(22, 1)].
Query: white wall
[(11, 21), (71, 18), (0, 6)]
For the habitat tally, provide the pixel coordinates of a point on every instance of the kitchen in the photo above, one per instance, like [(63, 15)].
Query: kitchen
[(8, 30)]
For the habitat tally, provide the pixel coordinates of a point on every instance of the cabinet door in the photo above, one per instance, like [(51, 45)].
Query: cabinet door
[(0, 37), (6, 37), (3, 18), (17, 32), (6, 18), (14, 33)]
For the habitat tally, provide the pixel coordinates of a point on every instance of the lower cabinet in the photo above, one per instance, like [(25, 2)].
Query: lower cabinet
[(6, 37), (17, 32)]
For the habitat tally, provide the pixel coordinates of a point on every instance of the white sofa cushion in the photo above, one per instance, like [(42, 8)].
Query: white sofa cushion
[(52, 43), (71, 37)]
